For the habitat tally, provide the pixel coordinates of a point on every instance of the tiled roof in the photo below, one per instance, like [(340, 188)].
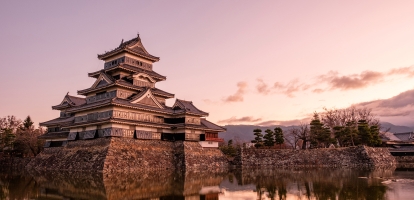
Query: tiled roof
[(211, 125), (133, 46), (58, 121), (90, 106), (188, 107), (119, 102), (124, 83), (405, 136), (77, 100), (153, 90), (388, 136), (72, 102), (161, 92), (125, 102), (131, 69)]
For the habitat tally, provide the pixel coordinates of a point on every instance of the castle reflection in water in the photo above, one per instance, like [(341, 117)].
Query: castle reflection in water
[(242, 183)]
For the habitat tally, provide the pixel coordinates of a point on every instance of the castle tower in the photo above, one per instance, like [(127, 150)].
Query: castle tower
[(125, 102)]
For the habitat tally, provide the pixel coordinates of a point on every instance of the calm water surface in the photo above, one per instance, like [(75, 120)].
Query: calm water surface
[(237, 184)]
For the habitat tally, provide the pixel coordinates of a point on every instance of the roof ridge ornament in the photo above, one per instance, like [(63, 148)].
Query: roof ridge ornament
[(122, 42)]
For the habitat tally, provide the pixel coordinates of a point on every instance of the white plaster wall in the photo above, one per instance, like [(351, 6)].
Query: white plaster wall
[(208, 144), (106, 126), (89, 128)]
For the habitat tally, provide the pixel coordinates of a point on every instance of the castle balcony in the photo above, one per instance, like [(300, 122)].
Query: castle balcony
[(215, 139)]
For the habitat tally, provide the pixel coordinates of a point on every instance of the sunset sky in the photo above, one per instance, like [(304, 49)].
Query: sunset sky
[(244, 62)]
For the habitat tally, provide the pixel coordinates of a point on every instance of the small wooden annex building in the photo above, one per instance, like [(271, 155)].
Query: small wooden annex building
[(125, 102)]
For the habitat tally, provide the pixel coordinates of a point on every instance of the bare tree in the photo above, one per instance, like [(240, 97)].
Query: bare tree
[(343, 123), (292, 137), (26, 141), (299, 133), (341, 117)]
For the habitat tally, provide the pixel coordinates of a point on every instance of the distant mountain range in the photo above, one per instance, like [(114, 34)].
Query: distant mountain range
[(244, 133)]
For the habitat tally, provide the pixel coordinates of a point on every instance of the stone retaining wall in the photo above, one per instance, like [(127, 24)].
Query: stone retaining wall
[(197, 157), (80, 155), (404, 159), (115, 154), (339, 157), (13, 163)]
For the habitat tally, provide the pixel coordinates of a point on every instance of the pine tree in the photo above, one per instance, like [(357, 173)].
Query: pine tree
[(364, 132), (376, 140), (258, 139), (268, 138), (27, 123), (279, 138), (320, 135)]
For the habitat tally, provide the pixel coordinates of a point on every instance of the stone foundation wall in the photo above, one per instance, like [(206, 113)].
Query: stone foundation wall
[(128, 154), (80, 155), (339, 157), (115, 154), (197, 157), (404, 159), (13, 163)]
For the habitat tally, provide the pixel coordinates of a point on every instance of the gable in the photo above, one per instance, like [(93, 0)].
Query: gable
[(146, 98), (147, 101), (65, 102), (101, 81)]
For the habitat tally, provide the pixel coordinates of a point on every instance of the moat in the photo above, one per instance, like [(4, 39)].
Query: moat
[(323, 183)]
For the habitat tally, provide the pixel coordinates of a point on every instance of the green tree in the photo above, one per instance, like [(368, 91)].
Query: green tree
[(364, 132), (375, 132), (258, 139), (279, 138), (27, 123), (368, 135), (320, 135), (8, 127), (229, 149), (269, 140)]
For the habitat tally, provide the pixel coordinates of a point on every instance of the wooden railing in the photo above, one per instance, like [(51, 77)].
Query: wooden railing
[(215, 139)]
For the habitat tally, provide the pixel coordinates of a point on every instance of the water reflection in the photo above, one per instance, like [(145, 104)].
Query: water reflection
[(236, 184), (314, 183)]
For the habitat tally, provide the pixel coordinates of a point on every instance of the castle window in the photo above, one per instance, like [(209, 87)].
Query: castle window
[(101, 93)]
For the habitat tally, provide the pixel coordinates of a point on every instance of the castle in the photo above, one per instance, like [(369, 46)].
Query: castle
[(125, 102)]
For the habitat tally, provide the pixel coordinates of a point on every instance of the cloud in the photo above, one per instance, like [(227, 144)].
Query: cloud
[(317, 90), (284, 123), (409, 71), (401, 105), (238, 96), (233, 120), (259, 122), (262, 87), (333, 80), (349, 82), (288, 89)]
